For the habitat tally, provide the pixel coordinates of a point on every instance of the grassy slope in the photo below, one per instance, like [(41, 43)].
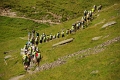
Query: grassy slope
[(11, 28), (60, 8), (10, 31), (107, 62), (83, 38)]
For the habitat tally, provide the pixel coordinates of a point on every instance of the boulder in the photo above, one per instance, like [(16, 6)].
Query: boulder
[(8, 56), (63, 42), (96, 38), (108, 24), (94, 72)]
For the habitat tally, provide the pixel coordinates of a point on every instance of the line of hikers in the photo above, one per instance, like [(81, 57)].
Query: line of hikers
[(83, 23), (31, 53)]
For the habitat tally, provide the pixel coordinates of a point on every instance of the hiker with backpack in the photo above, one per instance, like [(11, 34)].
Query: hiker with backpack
[(67, 31), (26, 61), (85, 13), (62, 33), (41, 39), (37, 57), (29, 36), (58, 35), (99, 8), (94, 7), (33, 33), (51, 36), (37, 40)]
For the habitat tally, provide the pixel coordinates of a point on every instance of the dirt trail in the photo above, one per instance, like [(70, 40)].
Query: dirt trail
[(17, 77), (81, 54), (7, 12)]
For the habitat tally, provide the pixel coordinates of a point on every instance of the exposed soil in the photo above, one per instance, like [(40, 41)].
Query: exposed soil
[(7, 12), (17, 77)]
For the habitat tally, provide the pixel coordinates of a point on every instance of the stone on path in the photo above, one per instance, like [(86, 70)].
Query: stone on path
[(96, 38), (8, 56), (94, 72), (108, 24), (63, 42)]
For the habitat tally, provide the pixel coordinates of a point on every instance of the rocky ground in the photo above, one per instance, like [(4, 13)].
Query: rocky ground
[(62, 60)]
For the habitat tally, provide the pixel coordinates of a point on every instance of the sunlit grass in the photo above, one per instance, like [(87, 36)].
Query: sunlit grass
[(74, 69)]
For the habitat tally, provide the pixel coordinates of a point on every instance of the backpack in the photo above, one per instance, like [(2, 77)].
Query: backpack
[(38, 55), (25, 58)]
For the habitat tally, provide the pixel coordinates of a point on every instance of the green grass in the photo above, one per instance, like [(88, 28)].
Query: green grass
[(106, 63), (75, 69), (10, 31), (11, 28), (38, 9)]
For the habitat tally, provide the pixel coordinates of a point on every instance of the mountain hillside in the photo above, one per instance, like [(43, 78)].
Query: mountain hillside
[(93, 54)]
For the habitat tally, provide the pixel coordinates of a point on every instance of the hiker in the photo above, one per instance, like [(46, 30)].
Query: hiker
[(67, 31), (26, 61), (88, 18), (37, 58), (37, 40), (33, 33), (37, 34), (33, 48), (73, 27), (43, 35), (99, 8), (77, 25), (70, 31), (51, 37), (90, 13), (33, 41), (25, 47), (92, 10), (85, 13), (29, 36), (36, 48), (54, 36), (28, 43), (62, 33), (30, 49), (58, 35), (41, 38), (83, 21), (95, 7), (44, 38), (47, 38), (82, 24)]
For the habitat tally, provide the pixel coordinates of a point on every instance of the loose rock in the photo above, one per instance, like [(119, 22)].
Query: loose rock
[(8, 56), (96, 38), (108, 24)]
